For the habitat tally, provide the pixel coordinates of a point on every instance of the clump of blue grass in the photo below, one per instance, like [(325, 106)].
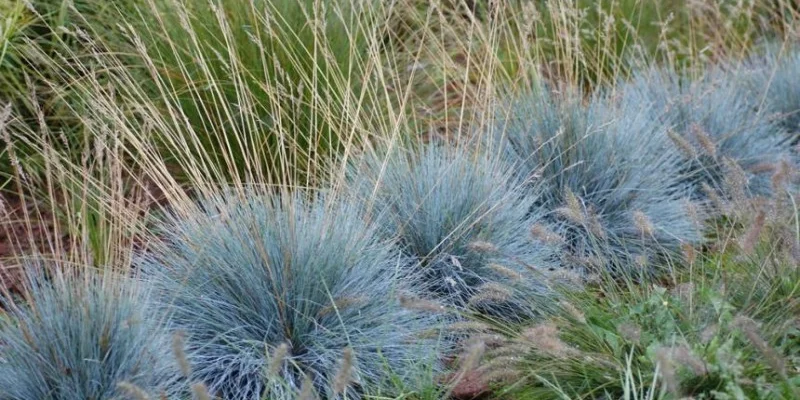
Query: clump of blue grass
[(81, 337), (462, 222), (774, 80), (731, 146), (281, 295), (609, 180)]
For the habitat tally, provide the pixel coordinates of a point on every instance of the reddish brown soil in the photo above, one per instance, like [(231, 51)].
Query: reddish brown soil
[(24, 229)]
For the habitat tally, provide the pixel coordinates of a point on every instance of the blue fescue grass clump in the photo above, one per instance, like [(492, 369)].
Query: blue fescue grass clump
[(274, 292), (464, 226), (774, 81), (731, 146), (610, 182), (80, 337)]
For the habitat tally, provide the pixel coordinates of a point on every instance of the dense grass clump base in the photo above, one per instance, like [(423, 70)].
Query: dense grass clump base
[(82, 335), (281, 284)]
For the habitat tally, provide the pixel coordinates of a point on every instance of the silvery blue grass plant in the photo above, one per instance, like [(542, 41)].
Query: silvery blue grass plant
[(84, 336), (280, 295), (774, 80), (464, 227), (606, 178), (732, 148)]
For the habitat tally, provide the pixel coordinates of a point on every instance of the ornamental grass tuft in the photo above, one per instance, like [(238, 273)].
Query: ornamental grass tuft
[(273, 291), (731, 147), (607, 179), (463, 225), (84, 336)]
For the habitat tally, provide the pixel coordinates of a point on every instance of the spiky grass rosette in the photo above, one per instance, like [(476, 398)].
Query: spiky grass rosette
[(464, 226), (80, 336), (274, 292), (610, 181), (732, 148)]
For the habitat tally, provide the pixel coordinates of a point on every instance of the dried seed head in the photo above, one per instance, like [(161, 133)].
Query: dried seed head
[(307, 391), (682, 355), (751, 330), (481, 246), (684, 291), (344, 375), (473, 355), (708, 333), (277, 359), (503, 375), (762, 168), (573, 311), (705, 141), (641, 260), (5, 115), (491, 292), (782, 175), (693, 213), (643, 223), (469, 326), (566, 276), (502, 362), (683, 145), (544, 338), (489, 339), (750, 239), (735, 180), (590, 262), (792, 247), (506, 272), (570, 215), (572, 210), (545, 235), (715, 198), (596, 227), (133, 391), (200, 391), (509, 350), (630, 332), (415, 303), (689, 253), (179, 351), (667, 369)]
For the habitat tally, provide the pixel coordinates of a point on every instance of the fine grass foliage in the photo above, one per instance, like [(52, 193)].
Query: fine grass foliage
[(81, 335), (276, 293), (269, 87), (32, 35), (606, 178), (464, 225)]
